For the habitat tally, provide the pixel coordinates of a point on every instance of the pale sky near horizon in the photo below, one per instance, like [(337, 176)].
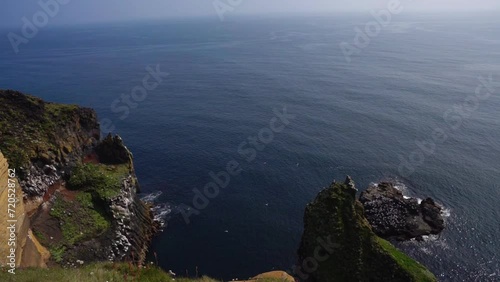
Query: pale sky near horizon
[(83, 11)]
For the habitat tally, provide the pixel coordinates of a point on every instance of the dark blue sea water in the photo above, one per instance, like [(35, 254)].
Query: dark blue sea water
[(359, 118)]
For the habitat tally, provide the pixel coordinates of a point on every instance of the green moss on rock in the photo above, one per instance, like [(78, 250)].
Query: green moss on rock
[(81, 219), (105, 181), (57, 252)]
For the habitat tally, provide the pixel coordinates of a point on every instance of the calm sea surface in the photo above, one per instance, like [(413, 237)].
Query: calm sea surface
[(359, 118)]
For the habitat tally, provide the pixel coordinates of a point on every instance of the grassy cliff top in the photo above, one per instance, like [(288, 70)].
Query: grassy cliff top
[(31, 128), (99, 272), (111, 272)]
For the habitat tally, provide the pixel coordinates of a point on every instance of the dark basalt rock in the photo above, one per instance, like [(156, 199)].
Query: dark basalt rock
[(391, 215), (432, 214), (111, 150)]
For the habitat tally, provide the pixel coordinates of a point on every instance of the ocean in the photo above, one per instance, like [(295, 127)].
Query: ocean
[(404, 108)]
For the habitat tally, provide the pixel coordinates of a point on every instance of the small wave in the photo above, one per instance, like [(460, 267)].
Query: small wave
[(425, 238), (419, 201), (161, 211), (426, 251), (150, 198), (429, 244), (404, 189), (445, 212), (430, 238), (401, 187)]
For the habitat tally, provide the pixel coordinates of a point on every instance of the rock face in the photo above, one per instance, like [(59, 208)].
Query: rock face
[(35, 133), (338, 244), (394, 216), (28, 251), (82, 191), (111, 150), (133, 223)]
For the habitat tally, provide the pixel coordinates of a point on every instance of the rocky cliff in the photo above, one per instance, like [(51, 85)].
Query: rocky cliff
[(338, 244), (37, 136), (19, 247), (80, 192)]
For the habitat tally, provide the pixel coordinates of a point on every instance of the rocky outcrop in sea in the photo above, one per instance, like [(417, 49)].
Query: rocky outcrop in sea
[(338, 244), (394, 216)]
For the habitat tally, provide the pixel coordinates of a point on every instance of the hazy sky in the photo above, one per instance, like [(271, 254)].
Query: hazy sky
[(80, 11)]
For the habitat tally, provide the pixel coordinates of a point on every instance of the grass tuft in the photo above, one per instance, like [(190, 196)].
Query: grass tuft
[(99, 272), (79, 220), (103, 180)]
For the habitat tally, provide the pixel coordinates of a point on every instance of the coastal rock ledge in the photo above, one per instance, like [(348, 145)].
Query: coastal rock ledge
[(394, 216)]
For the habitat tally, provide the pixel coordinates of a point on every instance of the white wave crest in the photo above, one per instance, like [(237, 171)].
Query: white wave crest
[(150, 198), (445, 212), (161, 211)]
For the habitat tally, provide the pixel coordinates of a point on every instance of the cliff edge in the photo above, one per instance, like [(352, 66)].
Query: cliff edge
[(79, 193)]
